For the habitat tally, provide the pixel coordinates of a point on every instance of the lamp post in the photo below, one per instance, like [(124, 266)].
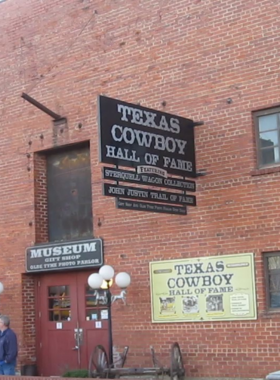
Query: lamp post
[(96, 282)]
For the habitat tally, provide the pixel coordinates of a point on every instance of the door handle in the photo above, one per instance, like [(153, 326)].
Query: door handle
[(78, 336), (81, 336)]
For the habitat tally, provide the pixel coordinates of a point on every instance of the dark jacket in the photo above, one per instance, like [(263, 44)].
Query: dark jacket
[(8, 346)]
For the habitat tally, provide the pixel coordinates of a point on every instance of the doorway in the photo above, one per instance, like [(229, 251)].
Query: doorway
[(72, 320)]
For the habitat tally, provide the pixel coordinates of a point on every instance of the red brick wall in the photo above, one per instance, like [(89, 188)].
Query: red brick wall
[(28, 347), (40, 200), (194, 55)]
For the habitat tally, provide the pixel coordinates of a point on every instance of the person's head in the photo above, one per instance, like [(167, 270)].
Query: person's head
[(4, 322)]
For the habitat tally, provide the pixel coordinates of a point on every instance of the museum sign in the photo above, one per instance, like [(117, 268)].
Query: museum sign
[(64, 256)]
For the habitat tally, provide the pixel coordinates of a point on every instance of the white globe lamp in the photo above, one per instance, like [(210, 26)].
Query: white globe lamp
[(1, 287), (107, 272), (123, 280), (95, 281)]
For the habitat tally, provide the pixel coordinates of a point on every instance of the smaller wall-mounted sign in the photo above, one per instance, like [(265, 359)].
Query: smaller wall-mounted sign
[(199, 289), (146, 169), (148, 195), (150, 207), (64, 256), (147, 179)]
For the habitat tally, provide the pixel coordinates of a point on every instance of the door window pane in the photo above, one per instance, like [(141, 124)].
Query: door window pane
[(59, 303), (95, 297)]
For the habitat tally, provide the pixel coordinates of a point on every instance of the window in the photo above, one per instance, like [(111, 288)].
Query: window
[(272, 276), (59, 303), (69, 194), (267, 125), (96, 303)]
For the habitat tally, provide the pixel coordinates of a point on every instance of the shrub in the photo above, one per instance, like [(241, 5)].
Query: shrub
[(76, 373)]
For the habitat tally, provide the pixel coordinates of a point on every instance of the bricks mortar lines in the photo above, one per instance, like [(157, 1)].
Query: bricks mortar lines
[(194, 55)]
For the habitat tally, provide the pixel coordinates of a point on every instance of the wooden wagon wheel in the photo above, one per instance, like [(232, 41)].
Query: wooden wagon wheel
[(156, 362), (98, 363), (177, 370)]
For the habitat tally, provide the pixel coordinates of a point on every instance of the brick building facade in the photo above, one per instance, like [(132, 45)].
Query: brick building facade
[(212, 61)]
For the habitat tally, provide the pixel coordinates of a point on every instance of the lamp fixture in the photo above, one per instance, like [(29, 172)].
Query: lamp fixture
[(104, 280)]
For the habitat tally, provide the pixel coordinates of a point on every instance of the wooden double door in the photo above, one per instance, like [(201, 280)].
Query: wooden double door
[(72, 320)]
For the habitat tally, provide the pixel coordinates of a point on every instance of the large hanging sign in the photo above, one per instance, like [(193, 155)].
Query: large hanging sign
[(158, 146), (219, 288), (137, 137)]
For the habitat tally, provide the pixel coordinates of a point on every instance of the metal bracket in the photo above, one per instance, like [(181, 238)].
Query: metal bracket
[(198, 123), (201, 174), (41, 107)]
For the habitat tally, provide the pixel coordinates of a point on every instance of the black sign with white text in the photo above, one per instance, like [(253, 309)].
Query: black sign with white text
[(132, 136), (147, 179), (150, 207), (148, 194), (65, 256)]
